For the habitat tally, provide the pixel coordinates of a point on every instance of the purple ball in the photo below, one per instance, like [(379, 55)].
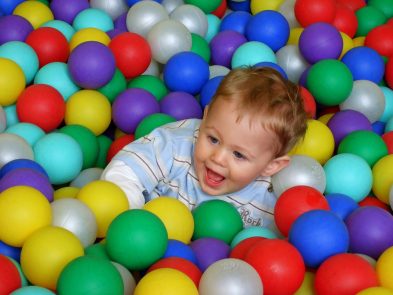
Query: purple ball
[(223, 45), (209, 250), (131, 106), (320, 41), (370, 230), (121, 22), (66, 10), (91, 65), (114, 32), (14, 28), (28, 177), (181, 105), (346, 121)]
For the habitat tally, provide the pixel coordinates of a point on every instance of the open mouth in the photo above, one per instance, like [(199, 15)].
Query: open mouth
[(213, 179)]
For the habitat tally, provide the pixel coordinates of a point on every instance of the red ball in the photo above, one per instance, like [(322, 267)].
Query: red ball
[(41, 105), (221, 9), (279, 265), (352, 4), (309, 102), (344, 274), (10, 279), (132, 53), (181, 264), (118, 144), (49, 44), (295, 201), (373, 201), (241, 249), (388, 139), (389, 72), (346, 20), (380, 38), (308, 12)]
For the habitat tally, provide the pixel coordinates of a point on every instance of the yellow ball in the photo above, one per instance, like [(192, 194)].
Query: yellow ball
[(325, 118), (384, 268), (119, 133), (258, 5), (106, 200), (294, 35), (347, 43), (175, 215), (307, 287), (89, 34), (383, 178), (65, 192), (23, 210), (12, 81), (165, 281), (358, 41), (36, 12), (375, 291), (318, 142), (46, 252), (90, 109)]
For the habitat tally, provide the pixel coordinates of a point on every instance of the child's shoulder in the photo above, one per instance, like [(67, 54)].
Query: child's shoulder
[(179, 129)]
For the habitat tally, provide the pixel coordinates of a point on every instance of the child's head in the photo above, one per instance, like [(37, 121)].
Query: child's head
[(252, 122)]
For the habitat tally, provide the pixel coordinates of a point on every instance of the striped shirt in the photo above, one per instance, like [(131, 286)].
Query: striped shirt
[(161, 164)]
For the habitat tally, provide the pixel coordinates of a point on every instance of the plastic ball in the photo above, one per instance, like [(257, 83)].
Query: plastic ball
[(277, 261), (32, 290), (252, 231), (302, 170), (286, 8), (355, 274), (42, 105), (295, 201), (66, 10), (89, 35), (223, 45), (116, 145), (327, 88), (181, 105), (86, 176), (14, 147), (167, 38), (209, 89), (380, 39), (75, 216), (3, 120), (318, 235), (388, 139), (382, 179), (65, 28), (127, 278), (131, 48), (28, 131), (170, 5), (257, 6), (93, 18), (151, 122), (231, 277), (269, 27), (9, 276), (151, 83), (292, 62), (243, 5), (370, 230), (213, 26), (389, 72), (90, 109), (223, 227), (384, 268), (65, 192), (21, 163), (35, 12), (235, 21), (308, 12), (251, 53), (345, 20), (375, 291), (181, 264), (186, 71), (165, 281), (7, 7), (113, 8), (12, 81), (14, 28), (192, 17), (241, 249), (341, 204), (369, 18), (175, 215), (106, 200), (388, 111), (141, 234), (208, 251), (206, 6)]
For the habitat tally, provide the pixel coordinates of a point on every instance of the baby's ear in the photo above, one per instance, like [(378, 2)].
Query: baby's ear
[(276, 165)]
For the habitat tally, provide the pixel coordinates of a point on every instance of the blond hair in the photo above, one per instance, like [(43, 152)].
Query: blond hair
[(263, 93)]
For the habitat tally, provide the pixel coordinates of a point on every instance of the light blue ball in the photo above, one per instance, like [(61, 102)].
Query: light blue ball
[(60, 155), (251, 53), (11, 115), (388, 111), (93, 18), (65, 28), (32, 290), (56, 75), (3, 119), (252, 231), (348, 174), (389, 125), (213, 26), (30, 132), (23, 55)]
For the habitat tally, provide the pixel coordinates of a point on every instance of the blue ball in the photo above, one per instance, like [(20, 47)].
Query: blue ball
[(186, 71), (341, 204), (378, 127), (269, 27), (209, 89), (239, 5), (8, 6), (365, 64), (177, 248), (10, 251), (22, 163), (273, 66), (235, 21), (318, 235)]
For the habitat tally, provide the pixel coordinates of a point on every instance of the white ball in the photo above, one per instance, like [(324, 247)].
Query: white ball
[(192, 17), (112, 7)]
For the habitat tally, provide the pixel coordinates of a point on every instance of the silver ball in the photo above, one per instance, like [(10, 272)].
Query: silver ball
[(192, 17), (14, 147), (287, 9), (86, 176), (3, 119), (113, 8), (171, 5), (292, 62), (218, 70), (128, 279)]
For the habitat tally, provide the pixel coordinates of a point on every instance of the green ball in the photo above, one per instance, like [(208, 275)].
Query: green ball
[(216, 219), (97, 250), (136, 239), (364, 143), (151, 83), (207, 6), (329, 81), (87, 141), (151, 122), (115, 86), (200, 47), (386, 6), (90, 275), (104, 143), (368, 18)]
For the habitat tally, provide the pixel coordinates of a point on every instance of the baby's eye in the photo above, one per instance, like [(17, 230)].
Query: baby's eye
[(238, 155), (212, 139)]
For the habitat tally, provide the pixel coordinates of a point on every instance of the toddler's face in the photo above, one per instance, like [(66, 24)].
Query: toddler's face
[(230, 154)]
